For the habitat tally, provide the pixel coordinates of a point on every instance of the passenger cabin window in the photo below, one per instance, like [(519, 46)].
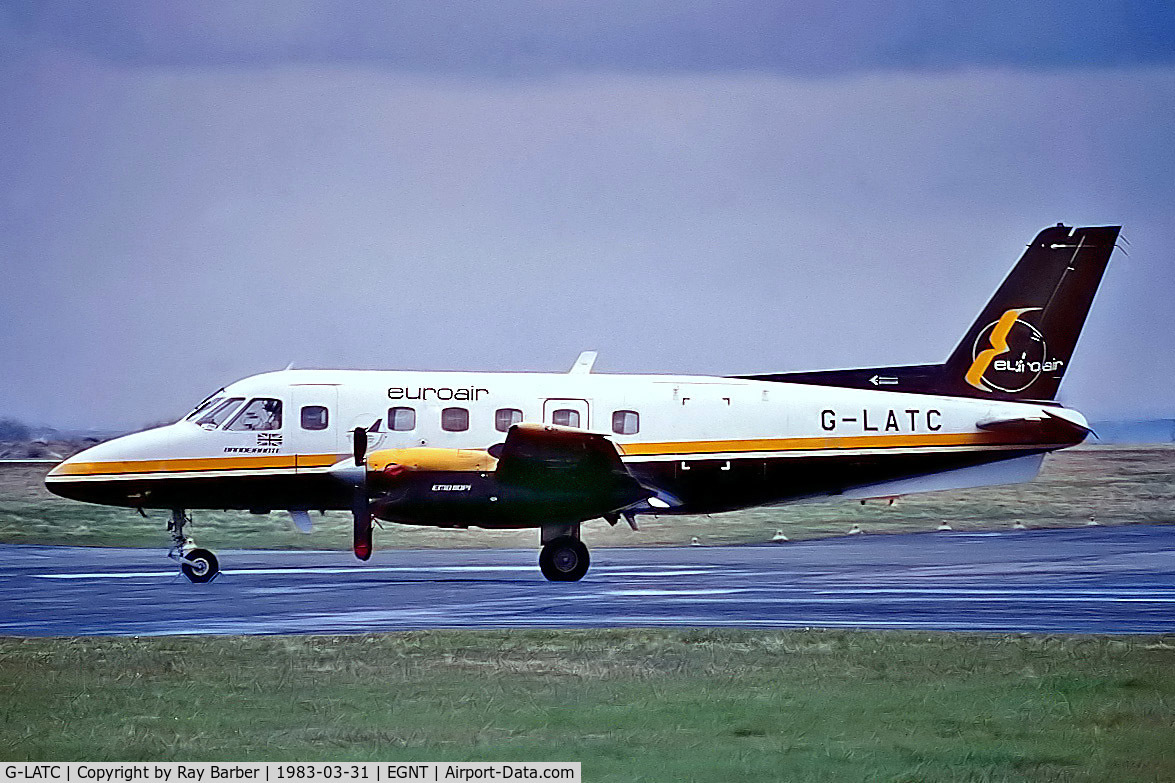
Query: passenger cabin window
[(505, 418), (454, 419), (314, 417), (565, 417), (626, 422), (401, 419), (217, 416), (259, 415)]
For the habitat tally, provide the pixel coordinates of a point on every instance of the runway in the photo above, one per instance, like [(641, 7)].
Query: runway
[(1082, 580)]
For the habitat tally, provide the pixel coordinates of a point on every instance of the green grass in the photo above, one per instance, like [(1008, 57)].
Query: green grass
[(631, 705), (1116, 485)]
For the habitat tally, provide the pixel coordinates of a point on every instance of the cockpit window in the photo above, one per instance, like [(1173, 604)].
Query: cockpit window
[(215, 416), (206, 404), (260, 414)]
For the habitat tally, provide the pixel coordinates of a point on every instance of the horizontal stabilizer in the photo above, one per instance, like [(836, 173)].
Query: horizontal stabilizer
[(1046, 427)]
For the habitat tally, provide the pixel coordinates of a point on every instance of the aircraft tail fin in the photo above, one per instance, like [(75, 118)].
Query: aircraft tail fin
[(1020, 345)]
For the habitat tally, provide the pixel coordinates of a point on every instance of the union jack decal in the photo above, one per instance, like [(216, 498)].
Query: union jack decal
[(269, 439)]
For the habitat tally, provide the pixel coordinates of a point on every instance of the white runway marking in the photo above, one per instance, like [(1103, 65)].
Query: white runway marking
[(702, 591), (294, 570), (794, 594), (652, 572), (352, 570), (997, 592), (125, 575), (953, 599)]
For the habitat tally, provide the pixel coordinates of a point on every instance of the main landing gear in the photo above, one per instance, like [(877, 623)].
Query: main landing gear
[(198, 565), (563, 558)]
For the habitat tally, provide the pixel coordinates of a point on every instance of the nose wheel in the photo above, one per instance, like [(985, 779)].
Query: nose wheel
[(198, 565)]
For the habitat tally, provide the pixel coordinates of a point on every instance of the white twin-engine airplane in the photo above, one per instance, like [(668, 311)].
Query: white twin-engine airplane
[(550, 451)]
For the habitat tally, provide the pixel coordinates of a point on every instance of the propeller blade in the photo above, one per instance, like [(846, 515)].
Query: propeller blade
[(360, 503), (359, 445), (361, 511)]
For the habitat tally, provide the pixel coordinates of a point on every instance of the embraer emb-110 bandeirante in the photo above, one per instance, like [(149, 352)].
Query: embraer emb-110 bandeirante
[(551, 451)]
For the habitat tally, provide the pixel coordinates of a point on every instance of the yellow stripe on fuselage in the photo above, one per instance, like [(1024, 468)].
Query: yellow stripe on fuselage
[(667, 448), (318, 460), (814, 444), (181, 465)]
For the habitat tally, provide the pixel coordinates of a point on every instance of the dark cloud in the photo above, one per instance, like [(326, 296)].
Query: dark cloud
[(530, 37)]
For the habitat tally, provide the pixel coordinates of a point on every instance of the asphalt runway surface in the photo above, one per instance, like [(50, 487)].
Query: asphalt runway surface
[(1080, 580)]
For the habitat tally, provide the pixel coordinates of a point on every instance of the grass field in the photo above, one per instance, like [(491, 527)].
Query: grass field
[(631, 705), (1117, 485)]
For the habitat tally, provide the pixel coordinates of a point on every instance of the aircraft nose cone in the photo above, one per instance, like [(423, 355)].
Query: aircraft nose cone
[(63, 481), (73, 478), (98, 474)]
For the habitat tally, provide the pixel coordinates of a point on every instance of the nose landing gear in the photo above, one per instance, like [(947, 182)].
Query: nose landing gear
[(198, 565)]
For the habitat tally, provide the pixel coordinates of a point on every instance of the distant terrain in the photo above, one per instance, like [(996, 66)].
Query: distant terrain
[(1112, 485), (19, 441), (1135, 431)]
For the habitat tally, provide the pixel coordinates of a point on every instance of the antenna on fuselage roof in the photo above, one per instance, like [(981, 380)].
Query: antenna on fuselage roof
[(290, 366), (583, 365)]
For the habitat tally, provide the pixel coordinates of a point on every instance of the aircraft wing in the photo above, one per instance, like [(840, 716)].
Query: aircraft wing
[(566, 461)]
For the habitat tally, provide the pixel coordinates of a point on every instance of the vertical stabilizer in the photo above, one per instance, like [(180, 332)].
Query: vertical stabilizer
[(1020, 346)]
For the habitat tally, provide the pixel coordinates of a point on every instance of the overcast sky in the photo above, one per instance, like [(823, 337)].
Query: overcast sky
[(193, 193)]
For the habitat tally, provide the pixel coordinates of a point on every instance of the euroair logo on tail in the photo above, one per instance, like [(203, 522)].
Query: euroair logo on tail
[(1015, 356)]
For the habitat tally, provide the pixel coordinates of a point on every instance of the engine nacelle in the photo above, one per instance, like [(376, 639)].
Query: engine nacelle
[(462, 487)]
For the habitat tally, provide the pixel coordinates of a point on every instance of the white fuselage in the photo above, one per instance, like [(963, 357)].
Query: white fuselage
[(681, 420)]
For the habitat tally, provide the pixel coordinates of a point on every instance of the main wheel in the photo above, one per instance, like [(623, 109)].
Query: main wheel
[(564, 560), (201, 565)]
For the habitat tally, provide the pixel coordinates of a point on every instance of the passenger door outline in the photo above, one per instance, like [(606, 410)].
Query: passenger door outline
[(312, 447), (580, 405)]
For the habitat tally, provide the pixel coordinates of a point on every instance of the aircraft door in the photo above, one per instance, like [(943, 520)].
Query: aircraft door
[(567, 413), (314, 425)]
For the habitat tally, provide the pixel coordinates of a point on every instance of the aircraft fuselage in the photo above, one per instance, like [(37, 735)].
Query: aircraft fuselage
[(710, 443)]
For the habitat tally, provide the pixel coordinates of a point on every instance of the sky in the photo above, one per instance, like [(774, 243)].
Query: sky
[(191, 193)]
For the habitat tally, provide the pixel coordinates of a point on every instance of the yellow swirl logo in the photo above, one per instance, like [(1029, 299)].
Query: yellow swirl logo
[(1014, 357)]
